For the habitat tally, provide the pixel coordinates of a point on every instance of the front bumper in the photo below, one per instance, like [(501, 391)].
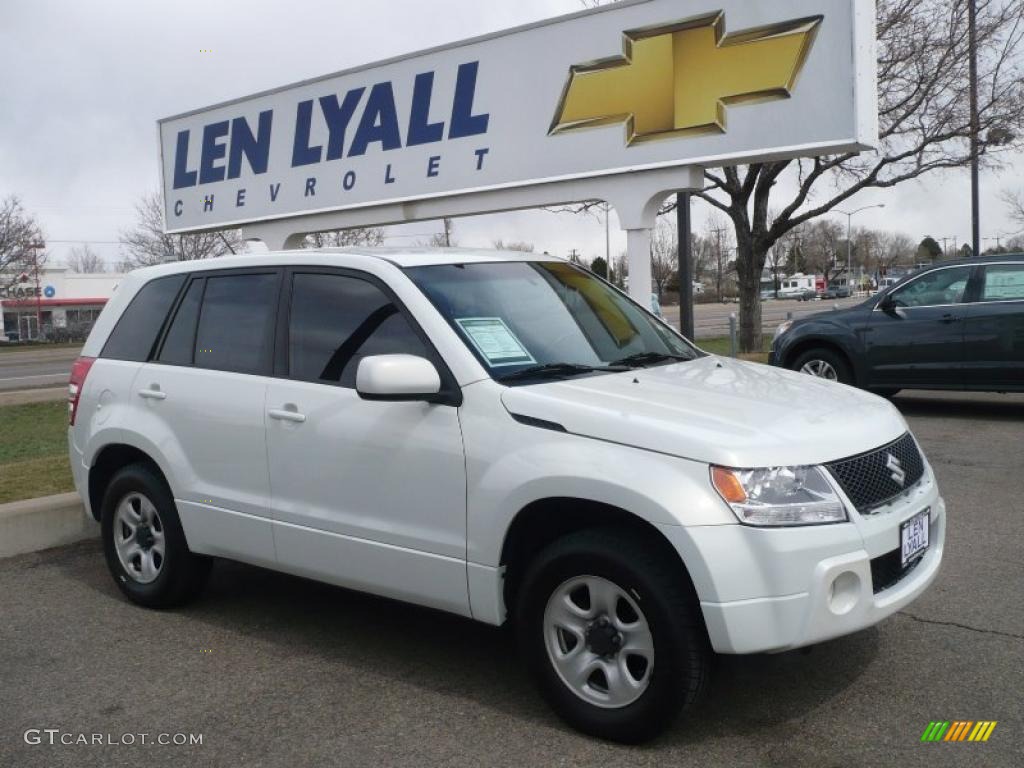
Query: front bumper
[(770, 590)]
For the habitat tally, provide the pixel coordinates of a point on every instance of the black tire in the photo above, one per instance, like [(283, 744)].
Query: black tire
[(663, 592), (182, 574), (838, 362)]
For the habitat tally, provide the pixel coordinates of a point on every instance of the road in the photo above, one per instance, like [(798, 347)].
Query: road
[(712, 320), (35, 367), (30, 368), (277, 671)]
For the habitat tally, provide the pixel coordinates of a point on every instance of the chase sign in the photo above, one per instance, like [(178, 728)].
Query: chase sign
[(638, 85)]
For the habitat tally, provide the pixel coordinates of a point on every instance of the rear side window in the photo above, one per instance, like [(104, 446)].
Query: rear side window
[(236, 323), (179, 344), (336, 321), (136, 331), (1004, 283)]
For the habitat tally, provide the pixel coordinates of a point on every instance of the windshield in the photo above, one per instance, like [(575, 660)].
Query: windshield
[(546, 319)]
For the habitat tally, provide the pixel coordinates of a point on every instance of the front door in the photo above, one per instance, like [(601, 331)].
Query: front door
[(919, 342), (369, 495), (994, 334)]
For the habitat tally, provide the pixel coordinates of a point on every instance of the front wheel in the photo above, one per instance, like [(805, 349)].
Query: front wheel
[(612, 631), (824, 363)]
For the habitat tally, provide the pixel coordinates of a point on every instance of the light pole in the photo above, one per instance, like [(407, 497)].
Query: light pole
[(849, 231), (972, 20)]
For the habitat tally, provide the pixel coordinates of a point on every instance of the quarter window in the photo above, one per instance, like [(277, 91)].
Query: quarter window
[(1004, 283), (943, 286), (336, 321), (236, 323), (135, 333)]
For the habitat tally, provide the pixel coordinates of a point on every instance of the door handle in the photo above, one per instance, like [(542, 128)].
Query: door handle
[(947, 319), (287, 414), (153, 393)]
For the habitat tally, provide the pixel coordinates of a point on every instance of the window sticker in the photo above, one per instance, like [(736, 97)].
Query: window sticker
[(495, 341)]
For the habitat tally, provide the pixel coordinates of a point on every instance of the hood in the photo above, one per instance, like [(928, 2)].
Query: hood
[(717, 410)]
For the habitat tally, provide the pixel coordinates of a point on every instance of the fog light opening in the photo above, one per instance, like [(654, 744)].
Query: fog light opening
[(844, 593)]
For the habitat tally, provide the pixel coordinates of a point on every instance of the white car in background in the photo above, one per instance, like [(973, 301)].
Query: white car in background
[(504, 437)]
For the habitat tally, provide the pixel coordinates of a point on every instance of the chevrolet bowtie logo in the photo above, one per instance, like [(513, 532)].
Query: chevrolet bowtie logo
[(678, 79)]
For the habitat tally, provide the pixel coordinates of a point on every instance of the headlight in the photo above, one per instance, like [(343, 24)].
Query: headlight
[(779, 495), (783, 328)]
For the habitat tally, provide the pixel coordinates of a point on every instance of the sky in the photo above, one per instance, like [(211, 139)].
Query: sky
[(83, 82)]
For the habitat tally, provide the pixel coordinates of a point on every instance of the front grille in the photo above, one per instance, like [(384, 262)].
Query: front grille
[(888, 571), (868, 480)]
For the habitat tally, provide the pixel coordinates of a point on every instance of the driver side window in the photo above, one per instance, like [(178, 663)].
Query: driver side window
[(943, 286)]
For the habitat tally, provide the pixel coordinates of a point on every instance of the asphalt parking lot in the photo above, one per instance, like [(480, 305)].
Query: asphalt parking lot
[(274, 670)]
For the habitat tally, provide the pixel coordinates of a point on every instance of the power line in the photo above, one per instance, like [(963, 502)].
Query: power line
[(92, 242)]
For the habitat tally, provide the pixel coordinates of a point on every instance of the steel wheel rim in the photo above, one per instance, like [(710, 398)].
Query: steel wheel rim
[(139, 538), (820, 369), (600, 646)]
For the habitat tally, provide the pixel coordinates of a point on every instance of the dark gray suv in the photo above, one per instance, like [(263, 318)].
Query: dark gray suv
[(954, 325)]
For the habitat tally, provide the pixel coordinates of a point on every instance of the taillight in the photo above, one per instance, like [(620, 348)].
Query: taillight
[(78, 373)]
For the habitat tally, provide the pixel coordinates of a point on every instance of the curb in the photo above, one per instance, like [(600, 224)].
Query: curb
[(35, 524)]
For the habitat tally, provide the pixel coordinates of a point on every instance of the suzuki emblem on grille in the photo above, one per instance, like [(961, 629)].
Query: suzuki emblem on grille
[(897, 472)]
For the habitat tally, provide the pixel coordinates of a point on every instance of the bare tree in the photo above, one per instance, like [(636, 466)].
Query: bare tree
[(1014, 202), (146, 243), (345, 238), (21, 241), (664, 253), (718, 245), (620, 271), (443, 239), (895, 249), (514, 245), (820, 244), (924, 126), (84, 259)]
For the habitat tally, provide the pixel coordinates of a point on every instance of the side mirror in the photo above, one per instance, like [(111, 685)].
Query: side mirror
[(887, 304), (397, 378)]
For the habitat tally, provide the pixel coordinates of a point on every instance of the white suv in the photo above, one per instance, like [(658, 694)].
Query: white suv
[(499, 436)]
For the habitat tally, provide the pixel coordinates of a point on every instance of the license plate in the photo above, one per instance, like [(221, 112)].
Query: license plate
[(914, 537)]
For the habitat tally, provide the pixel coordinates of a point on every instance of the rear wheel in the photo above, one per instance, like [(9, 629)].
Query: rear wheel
[(885, 392), (612, 632), (143, 541), (824, 363)]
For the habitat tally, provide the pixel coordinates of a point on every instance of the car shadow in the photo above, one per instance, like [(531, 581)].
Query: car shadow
[(961, 405), (442, 653)]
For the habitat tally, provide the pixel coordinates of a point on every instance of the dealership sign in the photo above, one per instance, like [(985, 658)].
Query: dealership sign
[(630, 87)]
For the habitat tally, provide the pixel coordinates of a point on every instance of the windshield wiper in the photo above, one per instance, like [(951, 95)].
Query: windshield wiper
[(555, 370), (643, 359)]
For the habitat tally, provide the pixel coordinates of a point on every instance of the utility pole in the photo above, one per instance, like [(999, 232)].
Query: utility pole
[(717, 231), (37, 246), (972, 17), (999, 243), (945, 247), (574, 256), (685, 245)]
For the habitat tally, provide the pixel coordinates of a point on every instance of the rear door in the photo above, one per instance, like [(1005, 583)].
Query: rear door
[(203, 401), (920, 342), (370, 495), (994, 333)]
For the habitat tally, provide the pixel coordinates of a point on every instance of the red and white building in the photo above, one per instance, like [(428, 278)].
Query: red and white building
[(59, 298)]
